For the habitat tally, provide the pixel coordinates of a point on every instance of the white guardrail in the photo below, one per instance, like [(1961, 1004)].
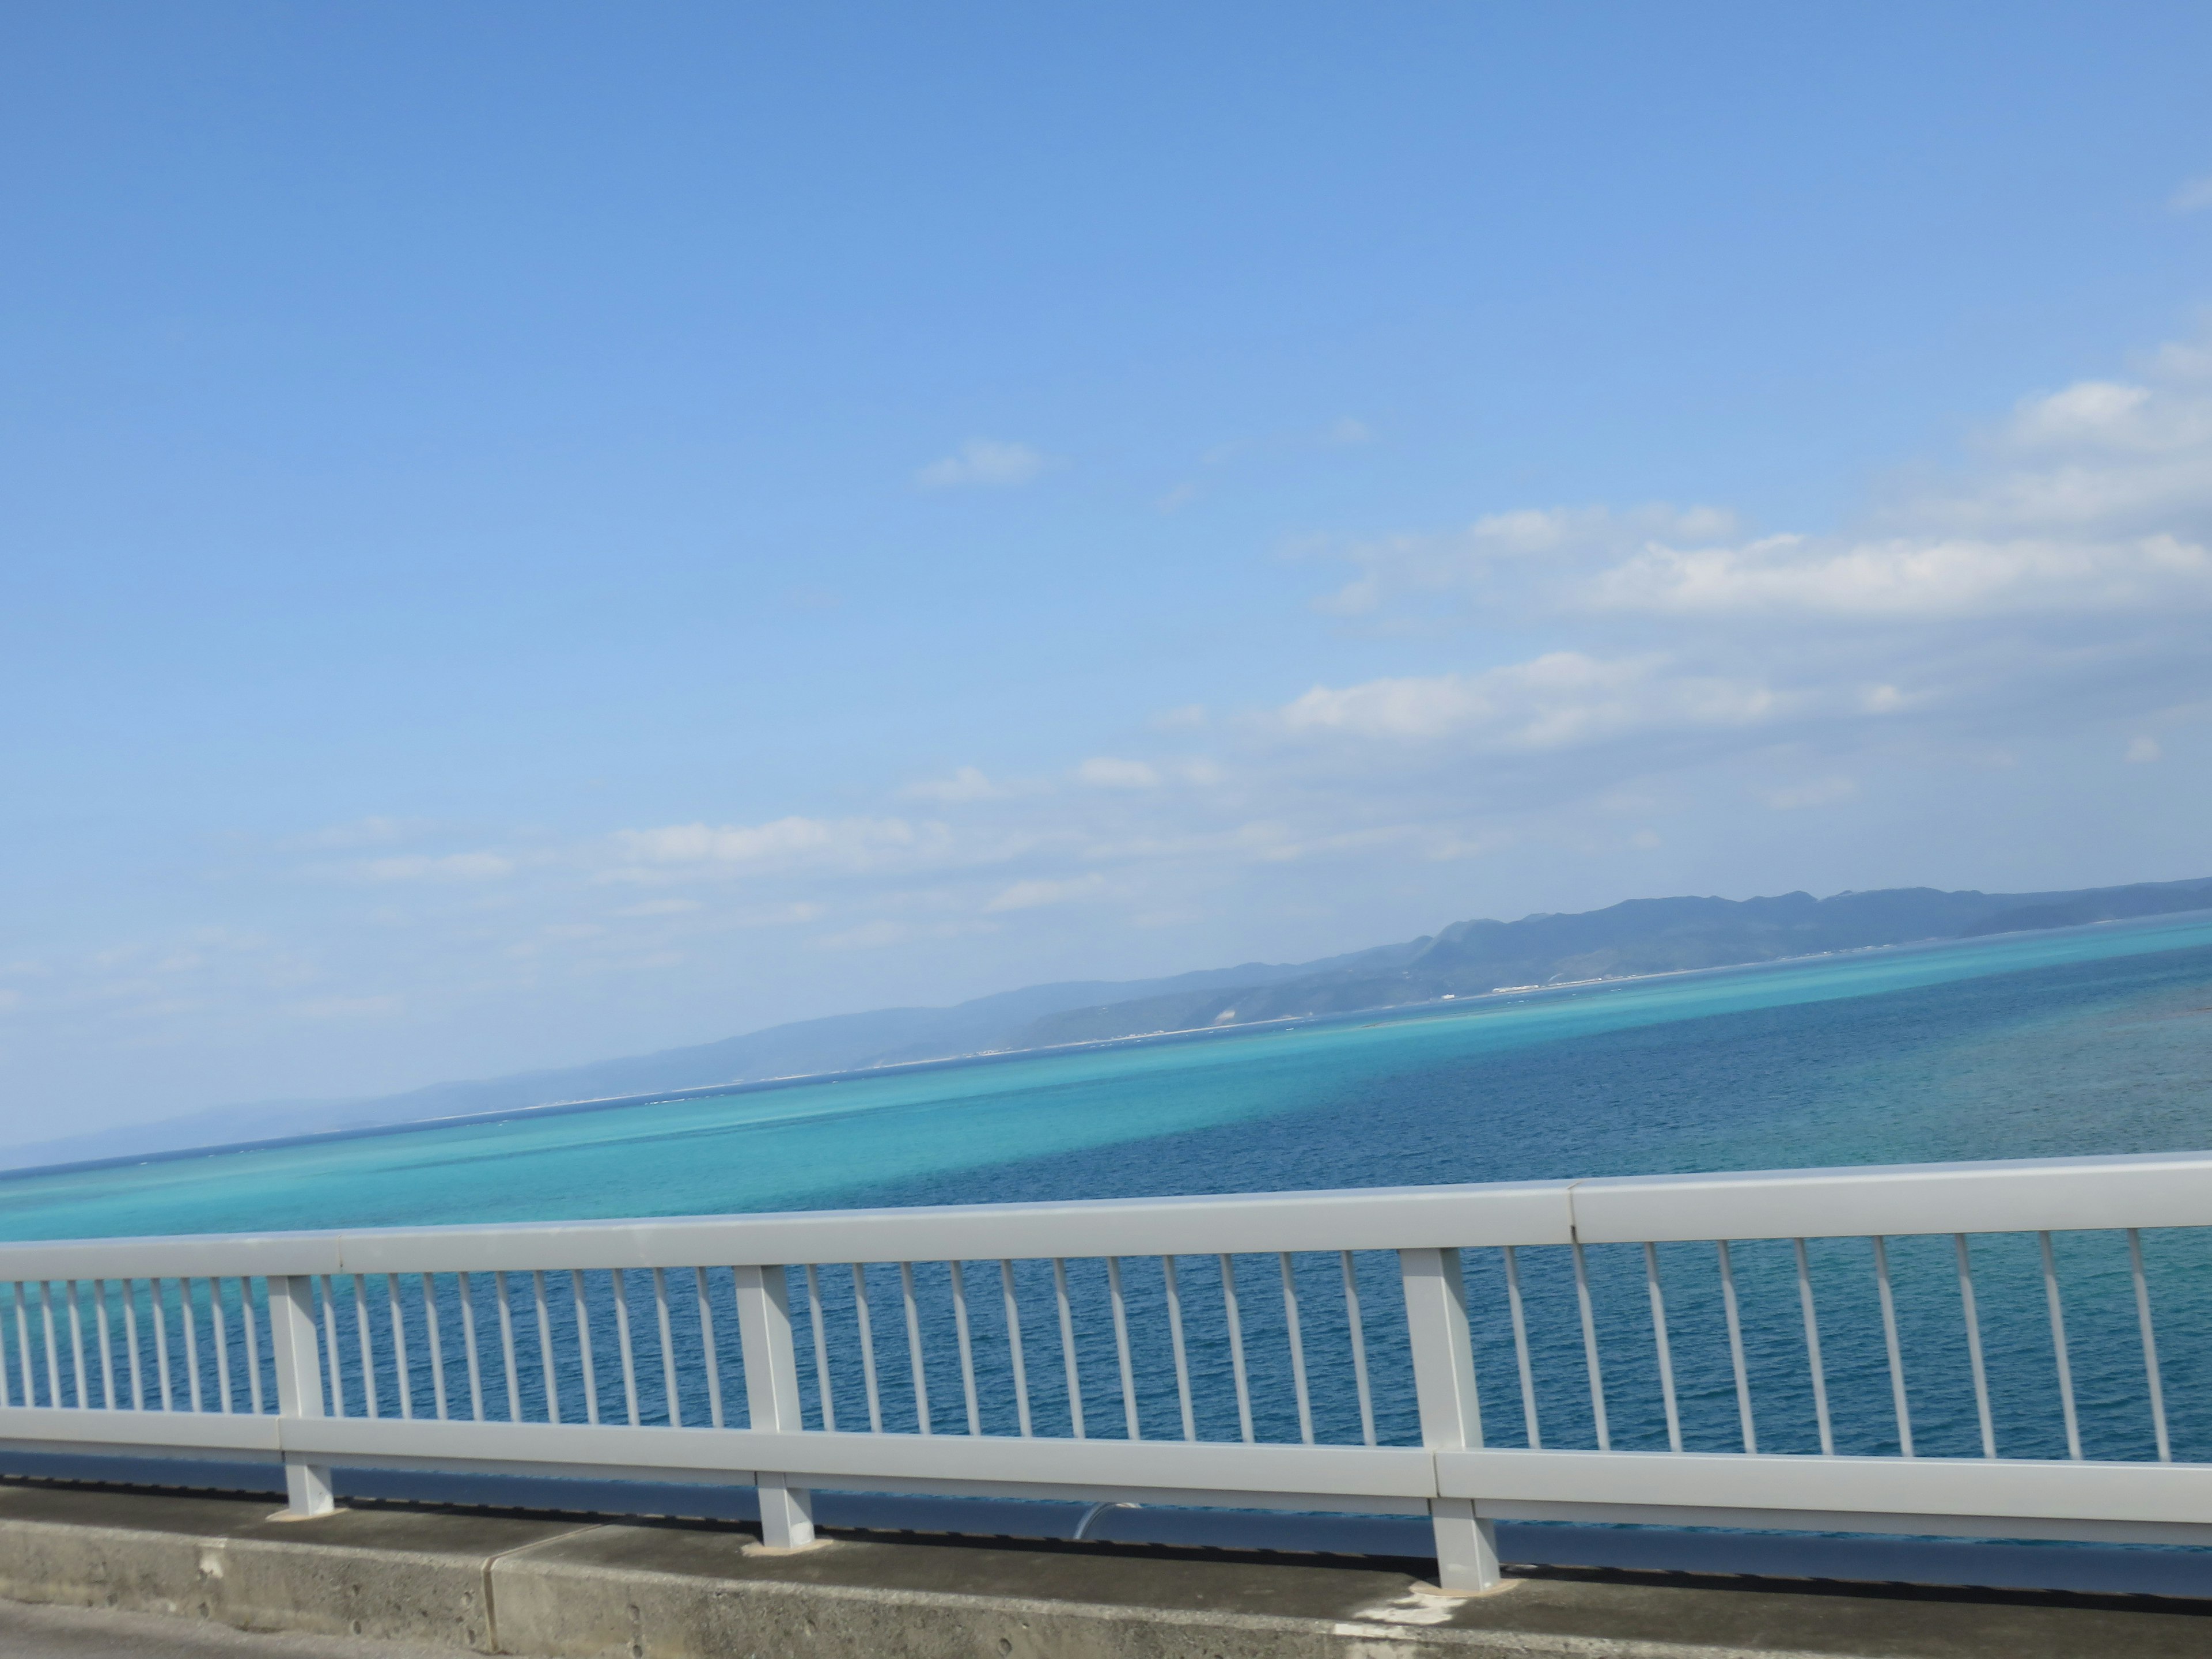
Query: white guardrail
[(1307, 1351)]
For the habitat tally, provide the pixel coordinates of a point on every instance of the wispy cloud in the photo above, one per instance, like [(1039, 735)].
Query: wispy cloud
[(1820, 791), (983, 463), (448, 867), (1556, 701), (967, 783), (1032, 894), (2193, 197), (1106, 772), (784, 844)]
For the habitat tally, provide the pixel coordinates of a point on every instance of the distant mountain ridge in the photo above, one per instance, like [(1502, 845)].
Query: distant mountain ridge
[(1468, 959)]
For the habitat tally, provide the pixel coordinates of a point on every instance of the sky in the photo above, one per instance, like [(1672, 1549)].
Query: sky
[(532, 534)]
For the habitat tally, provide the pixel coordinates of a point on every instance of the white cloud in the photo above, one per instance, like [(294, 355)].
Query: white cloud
[(451, 866), (1821, 792), (966, 784), (1103, 772), (1906, 578), (369, 1007), (782, 843), (2194, 197), (868, 936), (2144, 749), (2093, 498), (1556, 701), (1403, 567), (985, 462), (1029, 894), (666, 906), (361, 832)]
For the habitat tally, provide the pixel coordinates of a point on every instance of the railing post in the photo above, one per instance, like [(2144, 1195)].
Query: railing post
[(1451, 1412), (297, 1352), (772, 1404)]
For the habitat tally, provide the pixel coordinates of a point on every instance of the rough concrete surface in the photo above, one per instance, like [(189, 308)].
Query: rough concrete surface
[(569, 1588), (34, 1632)]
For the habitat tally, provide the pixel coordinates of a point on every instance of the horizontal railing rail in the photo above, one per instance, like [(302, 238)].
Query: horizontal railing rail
[(2017, 1349)]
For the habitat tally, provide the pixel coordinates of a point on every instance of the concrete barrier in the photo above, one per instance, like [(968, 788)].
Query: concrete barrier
[(572, 1587)]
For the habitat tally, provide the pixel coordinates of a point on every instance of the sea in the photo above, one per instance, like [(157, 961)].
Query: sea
[(2085, 1040), (2081, 1041)]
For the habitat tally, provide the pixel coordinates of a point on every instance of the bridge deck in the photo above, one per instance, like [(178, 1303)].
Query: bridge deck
[(566, 1586)]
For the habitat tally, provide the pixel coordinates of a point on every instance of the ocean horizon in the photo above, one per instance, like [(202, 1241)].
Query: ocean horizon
[(1455, 1080), (2083, 1041)]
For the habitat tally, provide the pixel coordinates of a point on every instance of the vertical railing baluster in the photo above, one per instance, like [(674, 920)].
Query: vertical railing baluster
[(248, 1313), (585, 1345), (53, 1349), (1973, 1321), (364, 1341), (667, 1348), (546, 1366), (1014, 1345), (14, 1356), (1898, 1401), (1590, 1349), (187, 1309), (328, 1306), (106, 1345), (959, 1272), (1232, 1318), (1521, 1348), (23, 1341), (622, 1339), (1357, 1332), (919, 1372), (2058, 1313), (505, 1301), (1665, 1349), (1736, 1349), (867, 1322), (706, 1311), (78, 1374), (2149, 1348), (1129, 1424), (1075, 1415), (1813, 1351), (129, 1346), (825, 1396), (1182, 1358), (433, 1328), (468, 1297), (1442, 1348), (1296, 1335), (402, 1374), (219, 1329), (165, 1373)]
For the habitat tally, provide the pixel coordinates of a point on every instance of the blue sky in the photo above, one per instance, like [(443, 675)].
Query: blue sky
[(529, 533)]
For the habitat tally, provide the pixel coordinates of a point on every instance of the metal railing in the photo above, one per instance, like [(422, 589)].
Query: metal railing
[(2018, 1350)]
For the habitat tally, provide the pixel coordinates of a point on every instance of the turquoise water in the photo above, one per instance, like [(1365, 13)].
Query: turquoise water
[(2091, 1040), (2088, 1040)]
